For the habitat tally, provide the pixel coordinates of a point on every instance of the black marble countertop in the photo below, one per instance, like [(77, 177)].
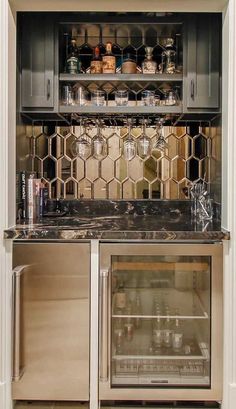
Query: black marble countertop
[(120, 220)]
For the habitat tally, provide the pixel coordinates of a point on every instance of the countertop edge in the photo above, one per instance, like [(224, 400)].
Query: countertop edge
[(34, 233)]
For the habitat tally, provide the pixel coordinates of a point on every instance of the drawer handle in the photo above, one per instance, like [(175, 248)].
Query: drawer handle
[(16, 327), (192, 89), (104, 326), (48, 88)]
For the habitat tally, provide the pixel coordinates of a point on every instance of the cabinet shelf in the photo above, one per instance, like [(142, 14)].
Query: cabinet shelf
[(112, 110), (121, 77)]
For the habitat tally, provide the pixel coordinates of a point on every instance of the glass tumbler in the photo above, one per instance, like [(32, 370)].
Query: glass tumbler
[(170, 98), (148, 98), (81, 96), (67, 97), (98, 98), (121, 98)]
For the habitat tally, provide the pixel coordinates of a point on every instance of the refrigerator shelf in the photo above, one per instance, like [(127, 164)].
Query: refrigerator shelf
[(187, 302)]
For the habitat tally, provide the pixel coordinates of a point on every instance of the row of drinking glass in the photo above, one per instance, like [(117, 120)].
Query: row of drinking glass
[(83, 147), (79, 96)]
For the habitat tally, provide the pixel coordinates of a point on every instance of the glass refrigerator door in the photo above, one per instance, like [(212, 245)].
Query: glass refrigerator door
[(161, 321)]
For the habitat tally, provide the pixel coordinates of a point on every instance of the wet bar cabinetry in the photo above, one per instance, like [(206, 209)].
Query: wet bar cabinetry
[(44, 48), (51, 299), (37, 63), (203, 62), (160, 321)]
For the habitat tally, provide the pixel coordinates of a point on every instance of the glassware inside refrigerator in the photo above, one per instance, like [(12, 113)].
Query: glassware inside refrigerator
[(160, 321)]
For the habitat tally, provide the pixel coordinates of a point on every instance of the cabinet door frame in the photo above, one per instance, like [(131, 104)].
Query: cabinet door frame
[(45, 101), (193, 101), (214, 392)]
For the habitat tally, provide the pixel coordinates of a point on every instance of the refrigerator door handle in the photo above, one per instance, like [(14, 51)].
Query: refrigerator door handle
[(104, 326), (16, 320)]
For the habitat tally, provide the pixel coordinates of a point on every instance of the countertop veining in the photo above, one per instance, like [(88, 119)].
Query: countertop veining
[(130, 220)]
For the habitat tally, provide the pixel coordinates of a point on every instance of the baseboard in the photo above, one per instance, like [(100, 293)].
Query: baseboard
[(232, 396), (5, 398)]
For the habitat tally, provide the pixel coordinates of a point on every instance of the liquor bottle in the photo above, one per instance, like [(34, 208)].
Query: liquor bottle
[(137, 311), (96, 62), (109, 60), (120, 299), (73, 63), (129, 65), (116, 51), (149, 66), (157, 333), (177, 336), (129, 323), (86, 51), (167, 333)]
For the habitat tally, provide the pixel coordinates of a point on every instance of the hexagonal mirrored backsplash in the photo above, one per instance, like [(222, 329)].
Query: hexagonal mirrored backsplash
[(164, 174)]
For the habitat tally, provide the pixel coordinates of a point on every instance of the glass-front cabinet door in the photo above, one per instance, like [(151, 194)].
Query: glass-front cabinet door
[(160, 323), (160, 316)]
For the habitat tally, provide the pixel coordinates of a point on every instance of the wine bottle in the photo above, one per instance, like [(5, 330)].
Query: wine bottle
[(73, 63), (96, 62), (109, 60)]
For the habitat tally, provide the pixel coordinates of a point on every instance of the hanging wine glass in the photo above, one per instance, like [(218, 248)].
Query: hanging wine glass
[(129, 147), (144, 145), (99, 143), (81, 147), (161, 143)]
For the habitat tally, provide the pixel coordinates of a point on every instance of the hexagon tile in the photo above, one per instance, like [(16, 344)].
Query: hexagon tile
[(165, 173)]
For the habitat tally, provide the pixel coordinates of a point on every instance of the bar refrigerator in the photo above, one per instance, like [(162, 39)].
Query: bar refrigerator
[(160, 322)]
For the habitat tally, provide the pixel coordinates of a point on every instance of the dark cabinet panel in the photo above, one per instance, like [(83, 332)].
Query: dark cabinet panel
[(37, 62), (202, 84)]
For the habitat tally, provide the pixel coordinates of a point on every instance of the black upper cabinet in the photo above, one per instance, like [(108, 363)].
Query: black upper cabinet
[(37, 62), (202, 81)]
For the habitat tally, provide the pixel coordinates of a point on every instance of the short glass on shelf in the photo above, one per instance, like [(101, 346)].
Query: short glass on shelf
[(98, 98), (121, 98)]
